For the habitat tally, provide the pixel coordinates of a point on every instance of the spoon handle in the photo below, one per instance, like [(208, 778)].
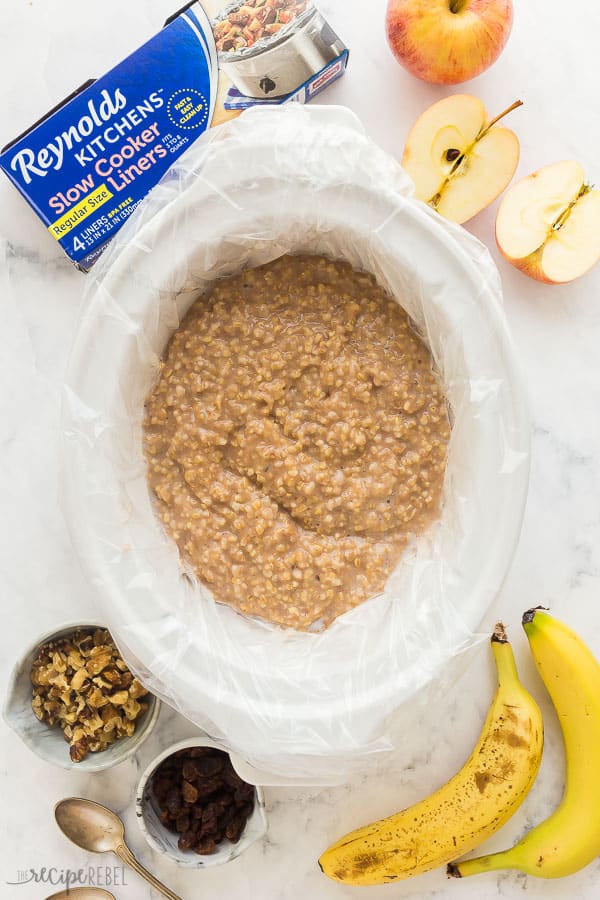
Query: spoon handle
[(125, 854)]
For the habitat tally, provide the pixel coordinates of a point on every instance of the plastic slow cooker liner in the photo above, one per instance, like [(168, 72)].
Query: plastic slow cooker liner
[(308, 706)]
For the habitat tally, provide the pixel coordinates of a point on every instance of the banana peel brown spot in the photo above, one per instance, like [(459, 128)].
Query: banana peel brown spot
[(515, 740), (482, 779), (364, 862)]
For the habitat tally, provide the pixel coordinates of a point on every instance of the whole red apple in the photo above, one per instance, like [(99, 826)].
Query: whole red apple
[(448, 41)]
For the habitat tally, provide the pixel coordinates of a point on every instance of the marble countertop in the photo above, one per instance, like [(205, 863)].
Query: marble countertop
[(551, 62)]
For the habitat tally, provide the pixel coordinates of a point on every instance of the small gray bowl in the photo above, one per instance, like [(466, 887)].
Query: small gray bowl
[(49, 743), (164, 841)]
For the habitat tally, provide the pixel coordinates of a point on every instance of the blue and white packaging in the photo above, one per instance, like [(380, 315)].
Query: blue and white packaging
[(90, 161)]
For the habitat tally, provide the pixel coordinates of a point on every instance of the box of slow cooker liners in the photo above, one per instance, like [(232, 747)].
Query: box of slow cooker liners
[(87, 164)]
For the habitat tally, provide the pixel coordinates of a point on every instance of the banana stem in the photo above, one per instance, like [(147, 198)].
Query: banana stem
[(491, 863), (499, 634), (529, 614), (505, 661)]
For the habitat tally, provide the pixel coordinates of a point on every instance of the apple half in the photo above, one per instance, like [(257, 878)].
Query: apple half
[(458, 158), (548, 224)]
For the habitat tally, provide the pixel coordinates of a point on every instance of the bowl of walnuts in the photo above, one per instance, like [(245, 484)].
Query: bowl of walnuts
[(73, 701)]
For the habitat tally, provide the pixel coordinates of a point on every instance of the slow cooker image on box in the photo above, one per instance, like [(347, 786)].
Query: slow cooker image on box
[(278, 63)]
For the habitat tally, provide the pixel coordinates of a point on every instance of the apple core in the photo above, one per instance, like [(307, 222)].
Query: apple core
[(458, 156)]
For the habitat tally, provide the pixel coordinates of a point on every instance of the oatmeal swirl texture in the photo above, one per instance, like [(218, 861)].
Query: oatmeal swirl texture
[(296, 439)]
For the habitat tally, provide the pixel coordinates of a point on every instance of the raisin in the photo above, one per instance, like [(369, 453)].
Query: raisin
[(190, 770), (210, 826), (222, 801), (243, 794), (209, 766), (168, 821), (161, 789), (210, 786), (206, 846), (229, 815), (230, 776), (235, 828), (190, 793), (173, 801), (210, 812), (187, 840), (182, 823)]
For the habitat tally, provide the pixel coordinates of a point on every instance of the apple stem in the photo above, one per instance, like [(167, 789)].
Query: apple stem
[(497, 118)]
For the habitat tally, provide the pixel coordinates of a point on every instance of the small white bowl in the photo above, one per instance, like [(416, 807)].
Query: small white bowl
[(49, 743), (164, 841)]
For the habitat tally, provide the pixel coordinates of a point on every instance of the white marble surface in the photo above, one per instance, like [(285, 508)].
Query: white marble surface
[(552, 63)]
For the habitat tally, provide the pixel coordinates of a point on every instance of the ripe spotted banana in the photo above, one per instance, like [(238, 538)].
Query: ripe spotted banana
[(468, 809), (570, 838)]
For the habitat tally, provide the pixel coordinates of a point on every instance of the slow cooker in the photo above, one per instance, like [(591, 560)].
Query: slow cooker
[(308, 707)]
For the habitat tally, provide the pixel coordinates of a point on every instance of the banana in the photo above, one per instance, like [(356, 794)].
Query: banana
[(468, 809), (570, 838)]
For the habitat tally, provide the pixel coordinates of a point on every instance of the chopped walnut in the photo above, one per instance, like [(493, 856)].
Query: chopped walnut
[(82, 684)]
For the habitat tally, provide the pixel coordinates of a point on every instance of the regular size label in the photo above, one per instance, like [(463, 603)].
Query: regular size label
[(82, 210)]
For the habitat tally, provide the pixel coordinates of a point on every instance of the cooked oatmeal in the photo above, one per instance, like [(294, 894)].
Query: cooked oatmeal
[(295, 440)]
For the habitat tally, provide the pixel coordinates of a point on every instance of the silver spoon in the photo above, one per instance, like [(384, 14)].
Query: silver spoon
[(97, 829), (83, 893)]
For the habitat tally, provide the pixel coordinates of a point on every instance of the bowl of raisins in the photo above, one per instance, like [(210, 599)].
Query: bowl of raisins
[(193, 807)]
